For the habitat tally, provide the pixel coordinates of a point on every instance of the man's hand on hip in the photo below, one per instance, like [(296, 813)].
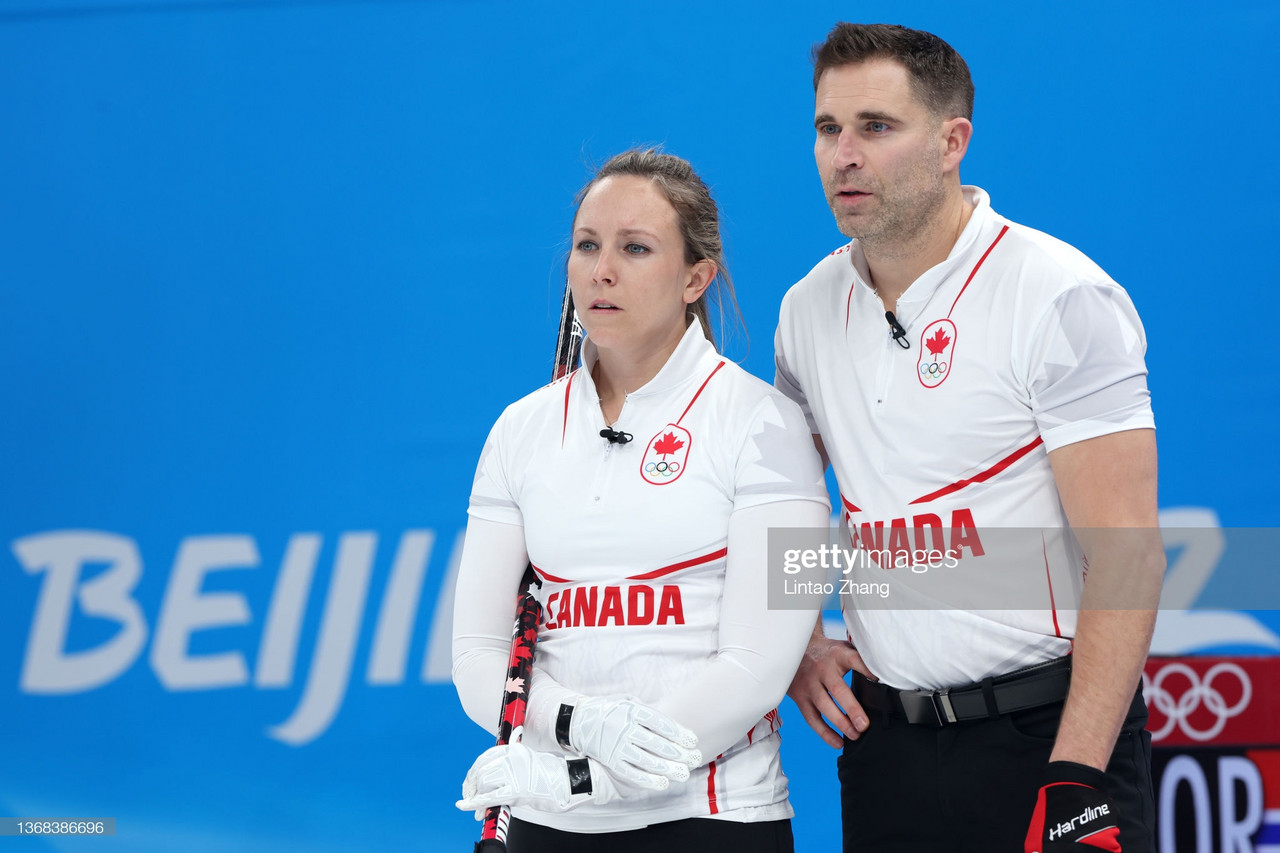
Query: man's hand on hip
[(819, 689)]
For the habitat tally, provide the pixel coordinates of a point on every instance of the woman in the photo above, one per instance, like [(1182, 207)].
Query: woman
[(659, 666)]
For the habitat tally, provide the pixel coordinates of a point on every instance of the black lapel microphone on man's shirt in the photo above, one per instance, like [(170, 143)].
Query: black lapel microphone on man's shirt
[(899, 333), (616, 436)]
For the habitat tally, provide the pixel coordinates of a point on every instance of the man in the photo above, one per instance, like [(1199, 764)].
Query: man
[(961, 371)]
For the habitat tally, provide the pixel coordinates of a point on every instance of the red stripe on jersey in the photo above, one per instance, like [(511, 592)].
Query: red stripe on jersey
[(675, 567), (695, 396), (984, 476), (656, 573), (565, 426), (850, 508), (772, 719), (848, 305), (711, 789), (1049, 580), (549, 577), (976, 266)]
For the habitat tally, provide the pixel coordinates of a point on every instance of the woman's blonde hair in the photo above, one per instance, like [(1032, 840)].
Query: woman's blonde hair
[(696, 213)]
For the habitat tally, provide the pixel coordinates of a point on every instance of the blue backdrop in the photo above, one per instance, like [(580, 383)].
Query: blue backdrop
[(270, 270)]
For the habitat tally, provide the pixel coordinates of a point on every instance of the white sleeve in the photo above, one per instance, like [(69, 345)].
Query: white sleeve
[(1086, 368), (493, 494), (776, 459), (493, 562), (759, 648), (784, 378)]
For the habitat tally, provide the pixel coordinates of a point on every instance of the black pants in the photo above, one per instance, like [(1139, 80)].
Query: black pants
[(971, 787), (695, 835)]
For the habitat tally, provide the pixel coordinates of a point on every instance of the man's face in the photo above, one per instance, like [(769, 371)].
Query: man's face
[(879, 153)]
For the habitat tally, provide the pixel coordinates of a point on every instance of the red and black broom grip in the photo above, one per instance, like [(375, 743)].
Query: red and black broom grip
[(519, 669)]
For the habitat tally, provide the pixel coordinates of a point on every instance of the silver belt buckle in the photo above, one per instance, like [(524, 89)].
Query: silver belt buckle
[(942, 706)]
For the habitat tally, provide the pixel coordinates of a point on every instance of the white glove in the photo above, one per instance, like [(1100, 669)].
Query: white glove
[(515, 775), (639, 744)]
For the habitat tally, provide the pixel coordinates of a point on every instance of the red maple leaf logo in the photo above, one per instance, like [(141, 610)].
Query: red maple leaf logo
[(667, 445), (937, 343)]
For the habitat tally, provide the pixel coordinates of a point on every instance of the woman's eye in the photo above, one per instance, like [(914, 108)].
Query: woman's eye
[(636, 249), (586, 246)]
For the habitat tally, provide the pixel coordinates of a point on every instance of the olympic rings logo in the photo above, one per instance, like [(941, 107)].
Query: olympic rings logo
[(1178, 712), (662, 469), (933, 369)]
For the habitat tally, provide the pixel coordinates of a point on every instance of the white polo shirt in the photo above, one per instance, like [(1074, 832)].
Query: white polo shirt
[(1019, 344), (630, 541)]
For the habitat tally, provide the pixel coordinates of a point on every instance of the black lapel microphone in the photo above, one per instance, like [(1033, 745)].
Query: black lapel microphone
[(616, 436), (899, 333)]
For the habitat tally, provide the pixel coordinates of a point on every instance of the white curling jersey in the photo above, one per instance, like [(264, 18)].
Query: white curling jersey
[(630, 543), (1019, 344)]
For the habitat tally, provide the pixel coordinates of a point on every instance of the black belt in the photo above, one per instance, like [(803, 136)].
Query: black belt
[(1032, 687)]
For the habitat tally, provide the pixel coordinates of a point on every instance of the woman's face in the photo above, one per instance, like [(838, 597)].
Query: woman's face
[(631, 285)]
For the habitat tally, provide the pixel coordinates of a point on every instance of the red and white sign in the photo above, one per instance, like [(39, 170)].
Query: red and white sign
[(1215, 723), (1213, 701)]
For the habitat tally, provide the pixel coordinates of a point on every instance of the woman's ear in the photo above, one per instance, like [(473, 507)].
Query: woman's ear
[(701, 275)]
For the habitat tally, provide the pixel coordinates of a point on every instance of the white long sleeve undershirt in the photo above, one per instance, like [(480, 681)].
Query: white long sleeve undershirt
[(758, 648)]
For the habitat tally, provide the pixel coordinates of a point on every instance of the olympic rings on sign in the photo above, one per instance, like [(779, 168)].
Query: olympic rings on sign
[(933, 368), (1178, 712), (666, 469)]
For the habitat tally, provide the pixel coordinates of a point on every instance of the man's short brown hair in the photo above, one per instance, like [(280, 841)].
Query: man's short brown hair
[(939, 76)]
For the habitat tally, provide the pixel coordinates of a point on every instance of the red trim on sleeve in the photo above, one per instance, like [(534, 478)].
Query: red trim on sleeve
[(975, 268), (712, 808), (983, 476)]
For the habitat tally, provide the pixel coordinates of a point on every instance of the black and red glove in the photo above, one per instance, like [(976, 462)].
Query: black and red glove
[(1072, 814)]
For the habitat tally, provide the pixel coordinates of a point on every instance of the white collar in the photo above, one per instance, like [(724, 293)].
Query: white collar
[(690, 355), (924, 286)]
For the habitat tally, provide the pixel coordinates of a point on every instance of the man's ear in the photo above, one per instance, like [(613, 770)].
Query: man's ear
[(954, 136)]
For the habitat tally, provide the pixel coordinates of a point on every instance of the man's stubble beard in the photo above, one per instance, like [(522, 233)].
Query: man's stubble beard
[(901, 218)]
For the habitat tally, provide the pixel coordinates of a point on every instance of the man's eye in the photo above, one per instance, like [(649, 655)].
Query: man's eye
[(829, 130), (877, 127)]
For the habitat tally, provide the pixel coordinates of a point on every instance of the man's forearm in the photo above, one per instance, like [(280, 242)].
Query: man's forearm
[(1113, 636), (1110, 650)]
